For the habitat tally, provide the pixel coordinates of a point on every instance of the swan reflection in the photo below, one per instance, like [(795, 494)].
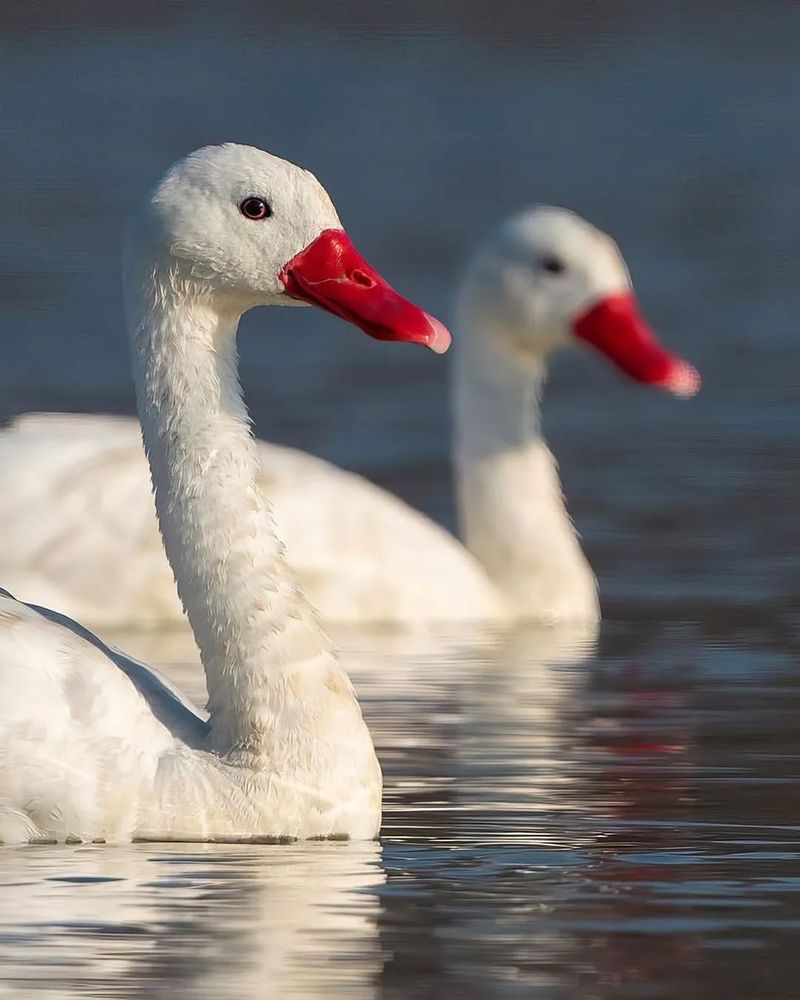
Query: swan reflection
[(212, 921)]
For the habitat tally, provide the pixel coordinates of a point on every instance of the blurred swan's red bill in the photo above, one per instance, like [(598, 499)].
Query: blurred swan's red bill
[(616, 327), (332, 274)]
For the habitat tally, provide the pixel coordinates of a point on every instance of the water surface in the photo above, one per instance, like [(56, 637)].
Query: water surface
[(559, 822)]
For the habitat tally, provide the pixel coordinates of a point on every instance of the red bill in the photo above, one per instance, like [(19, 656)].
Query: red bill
[(332, 274), (616, 328)]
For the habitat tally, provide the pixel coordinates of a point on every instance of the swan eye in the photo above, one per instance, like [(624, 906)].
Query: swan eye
[(255, 208), (552, 265)]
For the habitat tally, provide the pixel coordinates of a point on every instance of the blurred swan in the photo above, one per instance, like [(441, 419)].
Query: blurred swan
[(78, 509), (94, 745)]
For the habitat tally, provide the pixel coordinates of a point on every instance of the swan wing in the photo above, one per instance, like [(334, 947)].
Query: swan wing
[(83, 729), (79, 521)]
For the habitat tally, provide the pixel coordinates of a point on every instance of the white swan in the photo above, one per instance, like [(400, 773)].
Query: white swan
[(96, 746), (78, 500)]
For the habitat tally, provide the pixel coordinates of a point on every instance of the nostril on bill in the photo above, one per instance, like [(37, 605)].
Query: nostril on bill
[(362, 279)]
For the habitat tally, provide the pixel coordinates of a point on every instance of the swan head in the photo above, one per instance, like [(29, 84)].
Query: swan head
[(546, 279), (240, 227)]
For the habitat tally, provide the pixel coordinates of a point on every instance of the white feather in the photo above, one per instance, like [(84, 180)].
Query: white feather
[(80, 508), (92, 744)]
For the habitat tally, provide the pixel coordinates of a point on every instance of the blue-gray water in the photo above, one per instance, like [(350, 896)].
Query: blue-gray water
[(623, 823)]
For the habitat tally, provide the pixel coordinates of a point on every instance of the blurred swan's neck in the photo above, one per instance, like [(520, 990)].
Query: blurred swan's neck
[(511, 508), (257, 636)]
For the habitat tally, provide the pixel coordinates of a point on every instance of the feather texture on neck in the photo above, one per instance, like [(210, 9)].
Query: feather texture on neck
[(256, 632)]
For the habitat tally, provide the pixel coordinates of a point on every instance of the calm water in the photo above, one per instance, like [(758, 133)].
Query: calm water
[(560, 821), (556, 825)]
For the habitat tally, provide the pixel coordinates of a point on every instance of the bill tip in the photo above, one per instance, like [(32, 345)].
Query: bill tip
[(683, 381), (439, 339)]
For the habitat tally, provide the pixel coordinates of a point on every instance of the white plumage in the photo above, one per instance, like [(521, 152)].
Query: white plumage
[(82, 511), (78, 508), (96, 746)]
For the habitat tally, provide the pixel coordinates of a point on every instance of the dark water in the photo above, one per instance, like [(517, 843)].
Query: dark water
[(619, 823)]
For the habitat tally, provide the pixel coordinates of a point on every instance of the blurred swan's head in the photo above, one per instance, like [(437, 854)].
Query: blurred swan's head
[(546, 278)]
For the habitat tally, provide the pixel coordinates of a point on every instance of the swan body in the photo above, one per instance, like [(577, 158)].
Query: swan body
[(94, 746), (545, 279), (114, 753), (83, 512)]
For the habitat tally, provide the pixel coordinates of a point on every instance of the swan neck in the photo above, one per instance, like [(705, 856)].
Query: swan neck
[(251, 624), (510, 503), (496, 397)]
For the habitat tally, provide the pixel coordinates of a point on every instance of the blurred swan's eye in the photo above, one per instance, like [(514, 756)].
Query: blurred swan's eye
[(255, 208), (552, 265)]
